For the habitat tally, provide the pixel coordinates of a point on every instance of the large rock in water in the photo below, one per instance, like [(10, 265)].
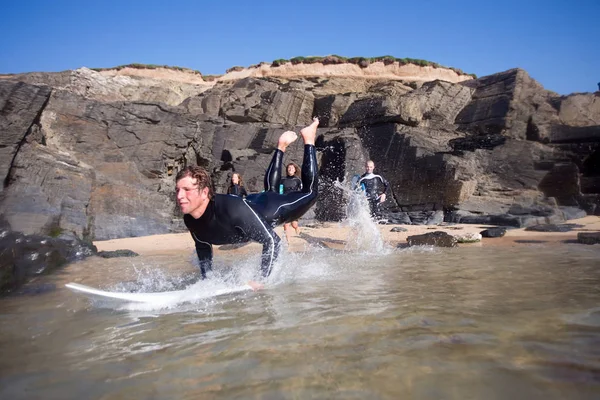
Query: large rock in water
[(588, 237), (499, 149), (25, 256), (437, 239)]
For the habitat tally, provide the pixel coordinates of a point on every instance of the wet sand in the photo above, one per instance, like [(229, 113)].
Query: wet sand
[(335, 235)]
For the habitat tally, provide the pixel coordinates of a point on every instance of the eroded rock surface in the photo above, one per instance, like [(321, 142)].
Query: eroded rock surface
[(100, 162)]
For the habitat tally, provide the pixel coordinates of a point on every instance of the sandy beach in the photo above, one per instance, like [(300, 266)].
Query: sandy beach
[(335, 235)]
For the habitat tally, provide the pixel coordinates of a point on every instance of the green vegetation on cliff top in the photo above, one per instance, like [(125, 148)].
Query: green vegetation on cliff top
[(148, 66), (363, 62)]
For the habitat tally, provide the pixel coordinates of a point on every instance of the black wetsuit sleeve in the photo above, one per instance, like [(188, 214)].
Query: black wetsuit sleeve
[(204, 252), (298, 184), (386, 185)]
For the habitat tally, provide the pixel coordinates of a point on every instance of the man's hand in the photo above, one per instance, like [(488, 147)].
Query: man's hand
[(382, 198), (255, 285)]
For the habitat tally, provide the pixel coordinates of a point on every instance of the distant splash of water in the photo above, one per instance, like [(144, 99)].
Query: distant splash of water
[(364, 236)]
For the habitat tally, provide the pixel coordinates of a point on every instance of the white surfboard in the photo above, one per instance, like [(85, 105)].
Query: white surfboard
[(159, 298)]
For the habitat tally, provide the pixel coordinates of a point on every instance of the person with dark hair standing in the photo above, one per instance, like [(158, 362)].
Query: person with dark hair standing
[(236, 186), (374, 186), (290, 184), (222, 219)]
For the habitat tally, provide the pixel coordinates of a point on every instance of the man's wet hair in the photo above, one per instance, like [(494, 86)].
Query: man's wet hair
[(200, 175)]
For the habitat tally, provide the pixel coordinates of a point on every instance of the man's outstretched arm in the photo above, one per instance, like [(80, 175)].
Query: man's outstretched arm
[(386, 186), (204, 252)]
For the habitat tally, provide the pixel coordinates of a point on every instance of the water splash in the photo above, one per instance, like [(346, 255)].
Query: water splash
[(364, 237), (149, 278)]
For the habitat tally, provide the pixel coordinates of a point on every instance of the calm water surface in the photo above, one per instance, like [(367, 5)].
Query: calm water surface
[(465, 323)]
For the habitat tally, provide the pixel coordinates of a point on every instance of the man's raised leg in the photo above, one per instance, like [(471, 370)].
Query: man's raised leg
[(273, 173), (309, 162)]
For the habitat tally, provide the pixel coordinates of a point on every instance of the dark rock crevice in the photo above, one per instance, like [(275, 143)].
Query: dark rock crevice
[(30, 129)]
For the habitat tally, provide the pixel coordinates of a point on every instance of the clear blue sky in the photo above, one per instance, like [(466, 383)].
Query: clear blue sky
[(557, 42)]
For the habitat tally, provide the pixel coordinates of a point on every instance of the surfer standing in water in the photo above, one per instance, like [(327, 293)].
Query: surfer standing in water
[(221, 219), (374, 186)]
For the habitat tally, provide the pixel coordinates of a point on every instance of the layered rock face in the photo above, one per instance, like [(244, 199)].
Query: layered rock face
[(128, 84), (376, 70), (80, 156)]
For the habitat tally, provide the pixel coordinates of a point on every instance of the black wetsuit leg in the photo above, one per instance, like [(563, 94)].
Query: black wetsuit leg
[(280, 208), (374, 207), (273, 173)]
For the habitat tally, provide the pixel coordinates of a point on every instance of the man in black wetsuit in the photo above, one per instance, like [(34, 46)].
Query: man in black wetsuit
[(375, 187), (223, 219)]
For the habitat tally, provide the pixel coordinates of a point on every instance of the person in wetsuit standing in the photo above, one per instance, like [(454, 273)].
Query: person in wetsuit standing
[(215, 219), (236, 187), (291, 183), (375, 187)]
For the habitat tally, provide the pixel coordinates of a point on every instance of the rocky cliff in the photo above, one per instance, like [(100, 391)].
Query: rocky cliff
[(121, 84), (374, 70), (96, 153)]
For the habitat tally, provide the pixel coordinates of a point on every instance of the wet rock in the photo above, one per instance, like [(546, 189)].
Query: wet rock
[(553, 228), (398, 229), (438, 239), (562, 183), (426, 217), (25, 256), (573, 213), (515, 221), (398, 218), (36, 289), (537, 210), (493, 232), (117, 253), (469, 238), (588, 237)]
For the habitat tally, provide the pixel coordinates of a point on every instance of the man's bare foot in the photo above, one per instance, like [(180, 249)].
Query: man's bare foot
[(310, 132), (255, 285), (286, 138)]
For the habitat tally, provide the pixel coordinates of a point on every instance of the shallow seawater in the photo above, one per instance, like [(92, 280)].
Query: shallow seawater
[(464, 323)]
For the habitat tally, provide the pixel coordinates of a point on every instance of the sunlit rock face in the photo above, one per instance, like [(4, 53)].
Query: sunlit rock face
[(101, 162)]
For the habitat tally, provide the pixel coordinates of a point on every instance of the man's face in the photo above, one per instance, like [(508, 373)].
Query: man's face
[(369, 167), (189, 197)]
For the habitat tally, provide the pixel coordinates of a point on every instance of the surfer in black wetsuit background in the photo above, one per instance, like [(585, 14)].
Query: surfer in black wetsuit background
[(375, 187), (236, 187), (291, 183), (222, 219)]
